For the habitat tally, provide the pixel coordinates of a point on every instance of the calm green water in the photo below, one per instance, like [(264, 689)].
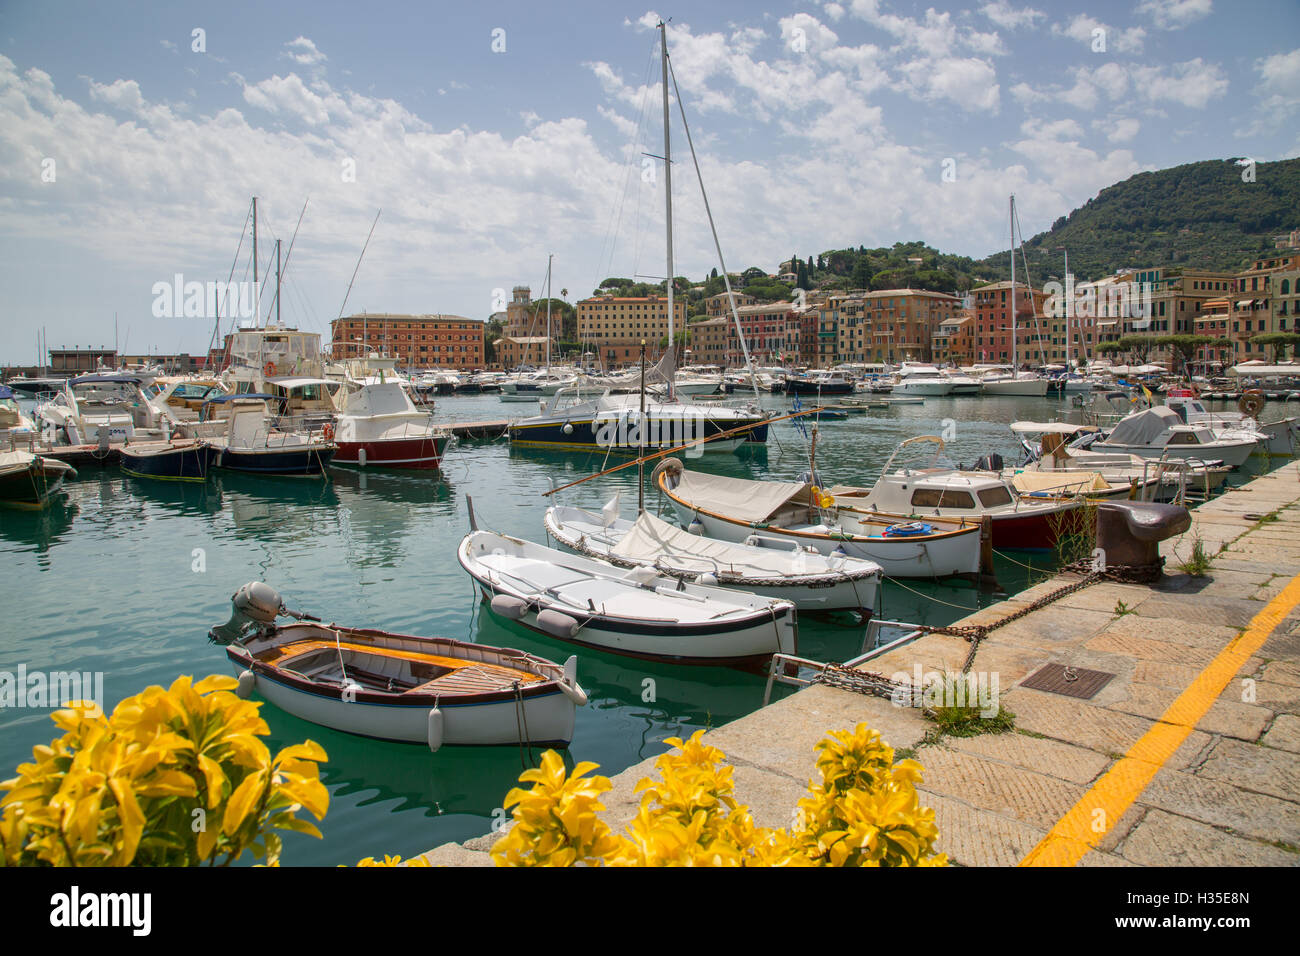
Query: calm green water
[(105, 580)]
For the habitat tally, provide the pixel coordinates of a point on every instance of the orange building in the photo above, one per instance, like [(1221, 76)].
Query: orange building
[(423, 341)]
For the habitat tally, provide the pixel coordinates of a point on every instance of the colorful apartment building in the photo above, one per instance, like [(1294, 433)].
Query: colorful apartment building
[(423, 341), (615, 326)]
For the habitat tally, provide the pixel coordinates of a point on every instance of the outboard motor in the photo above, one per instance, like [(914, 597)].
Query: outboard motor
[(989, 463), (255, 603)]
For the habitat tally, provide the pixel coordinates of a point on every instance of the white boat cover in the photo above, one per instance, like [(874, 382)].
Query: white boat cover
[(1143, 428), (738, 498), (652, 538), (1050, 428), (1028, 482)]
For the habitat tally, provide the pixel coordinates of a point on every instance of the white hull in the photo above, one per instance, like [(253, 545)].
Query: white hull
[(664, 620), (549, 719), (1019, 386), (936, 389), (899, 558), (818, 588), (1231, 454)]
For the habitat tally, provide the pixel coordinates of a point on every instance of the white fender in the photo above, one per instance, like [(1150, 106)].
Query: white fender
[(574, 693), (247, 681), (507, 606), (556, 623), (708, 578), (571, 669), (434, 737), (361, 457)]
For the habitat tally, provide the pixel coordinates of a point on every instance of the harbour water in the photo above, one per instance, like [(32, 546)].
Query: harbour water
[(124, 577)]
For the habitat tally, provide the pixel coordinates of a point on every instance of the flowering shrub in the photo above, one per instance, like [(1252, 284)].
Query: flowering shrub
[(865, 812), (174, 777)]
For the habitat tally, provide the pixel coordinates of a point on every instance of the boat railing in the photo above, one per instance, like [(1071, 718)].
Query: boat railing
[(881, 637)]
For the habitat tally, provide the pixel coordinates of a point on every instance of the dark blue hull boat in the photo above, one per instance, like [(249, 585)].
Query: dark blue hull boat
[(308, 461), (169, 462)]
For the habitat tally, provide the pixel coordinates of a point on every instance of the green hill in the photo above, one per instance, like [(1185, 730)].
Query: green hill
[(1197, 216)]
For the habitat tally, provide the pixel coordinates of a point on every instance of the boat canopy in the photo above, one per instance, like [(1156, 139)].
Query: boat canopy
[(651, 539), (1050, 428), (290, 383), (103, 379), (738, 498), (1143, 428), (251, 396), (1265, 371)]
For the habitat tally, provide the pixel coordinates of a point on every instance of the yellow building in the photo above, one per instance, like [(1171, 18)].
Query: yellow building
[(615, 326)]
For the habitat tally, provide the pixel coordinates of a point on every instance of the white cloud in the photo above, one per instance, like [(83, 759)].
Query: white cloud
[(303, 51), (1175, 14), (1192, 84), (1280, 76), (1009, 18), (1122, 130), (1085, 29), (968, 82), (834, 11)]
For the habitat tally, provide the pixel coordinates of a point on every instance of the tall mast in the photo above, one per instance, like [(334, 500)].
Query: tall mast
[(1015, 364), (548, 314), (668, 203), (277, 282), (1069, 294), (257, 289)]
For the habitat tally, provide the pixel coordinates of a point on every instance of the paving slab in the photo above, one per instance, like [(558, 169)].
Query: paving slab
[(1023, 795), (1284, 734), (1051, 757), (974, 837), (1228, 717), (1222, 804), (1260, 769), (1165, 839)]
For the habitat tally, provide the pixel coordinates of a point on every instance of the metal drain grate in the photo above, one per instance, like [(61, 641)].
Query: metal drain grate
[(1068, 681)]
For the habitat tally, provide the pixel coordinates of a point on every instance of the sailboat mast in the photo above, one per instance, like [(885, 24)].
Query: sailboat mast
[(668, 201), (1015, 363), (257, 289), (1069, 294), (548, 315)]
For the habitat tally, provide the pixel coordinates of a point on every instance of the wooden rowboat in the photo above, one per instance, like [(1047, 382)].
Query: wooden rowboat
[(434, 691)]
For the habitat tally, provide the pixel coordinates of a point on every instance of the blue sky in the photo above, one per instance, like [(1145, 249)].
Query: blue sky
[(819, 125)]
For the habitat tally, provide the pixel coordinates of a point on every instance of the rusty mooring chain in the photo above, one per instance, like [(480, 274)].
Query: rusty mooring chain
[(865, 682)]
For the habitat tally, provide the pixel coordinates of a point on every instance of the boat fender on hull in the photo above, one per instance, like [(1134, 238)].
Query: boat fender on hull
[(434, 737), (247, 681), (508, 607), (560, 625)]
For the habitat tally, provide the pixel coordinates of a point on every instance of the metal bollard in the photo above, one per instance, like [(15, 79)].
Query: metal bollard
[(1129, 534)]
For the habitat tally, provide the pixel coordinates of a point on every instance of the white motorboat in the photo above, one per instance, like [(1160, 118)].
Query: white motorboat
[(380, 427), (1160, 432), (28, 480), (736, 509), (252, 443), (433, 691), (1003, 380), (637, 612), (772, 567), (613, 423), (1031, 521), (97, 409), (963, 384), (922, 380), (1283, 436)]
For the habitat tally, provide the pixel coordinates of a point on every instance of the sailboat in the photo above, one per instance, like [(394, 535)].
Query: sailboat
[(630, 423), (999, 380)]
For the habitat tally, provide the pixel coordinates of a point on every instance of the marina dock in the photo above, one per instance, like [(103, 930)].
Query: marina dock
[(1187, 752)]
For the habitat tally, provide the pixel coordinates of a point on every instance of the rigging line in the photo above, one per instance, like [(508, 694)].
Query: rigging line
[(234, 319), (714, 229), (928, 597), (610, 242), (216, 327), (358, 265)]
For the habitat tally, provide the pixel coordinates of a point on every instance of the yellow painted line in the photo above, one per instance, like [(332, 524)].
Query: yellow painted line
[(1084, 825)]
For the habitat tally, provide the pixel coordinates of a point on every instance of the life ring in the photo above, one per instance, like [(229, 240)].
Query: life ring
[(328, 432), (907, 529), (1251, 402), (269, 369)]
